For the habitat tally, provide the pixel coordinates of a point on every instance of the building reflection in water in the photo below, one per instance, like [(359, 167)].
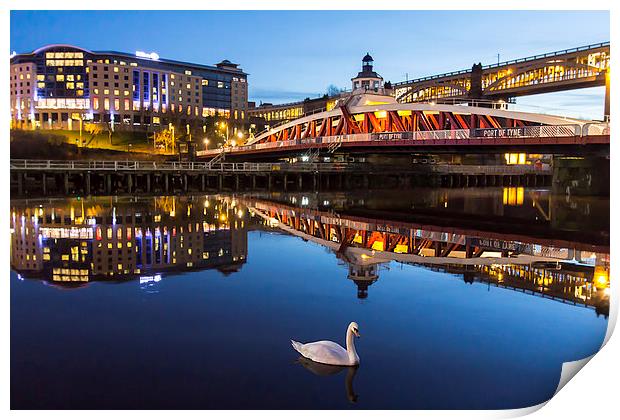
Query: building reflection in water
[(70, 243), (120, 239)]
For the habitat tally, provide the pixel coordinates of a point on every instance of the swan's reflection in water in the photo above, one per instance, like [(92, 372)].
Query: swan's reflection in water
[(321, 369)]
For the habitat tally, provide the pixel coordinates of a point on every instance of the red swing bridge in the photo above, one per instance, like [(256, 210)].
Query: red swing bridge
[(375, 123)]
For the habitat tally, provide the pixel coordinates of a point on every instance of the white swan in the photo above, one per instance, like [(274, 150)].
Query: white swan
[(330, 353)]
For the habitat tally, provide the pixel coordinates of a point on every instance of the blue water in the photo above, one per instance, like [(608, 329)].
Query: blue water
[(202, 339)]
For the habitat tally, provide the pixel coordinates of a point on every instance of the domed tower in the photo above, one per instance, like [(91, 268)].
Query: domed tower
[(367, 79)]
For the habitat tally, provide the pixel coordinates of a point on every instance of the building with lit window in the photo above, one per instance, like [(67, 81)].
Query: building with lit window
[(57, 86)]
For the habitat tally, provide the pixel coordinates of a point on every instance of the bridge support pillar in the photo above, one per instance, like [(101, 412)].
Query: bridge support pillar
[(202, 182), (44, 183), (166, 182), (606, 110), (87, 183), (253, 182), (66, 183), (148, 183), (327, 181), (300, 180), (129, 183), (314, 182), (269, 182), (285, 181), (220, 181), (185, 183), (237, 182), (108, 184), (583, 176), (20, 183)]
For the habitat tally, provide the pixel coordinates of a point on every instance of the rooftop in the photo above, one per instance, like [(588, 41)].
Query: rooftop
[(224, 65)]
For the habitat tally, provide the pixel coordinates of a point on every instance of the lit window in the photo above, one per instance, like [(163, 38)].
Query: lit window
[(205, 82), (189, 73)]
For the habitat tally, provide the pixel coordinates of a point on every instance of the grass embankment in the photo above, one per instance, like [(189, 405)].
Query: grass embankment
[(61, 144)]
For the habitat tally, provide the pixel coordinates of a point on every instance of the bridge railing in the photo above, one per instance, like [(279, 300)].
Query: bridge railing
[(542, 131), (505, 63), (595, 129)]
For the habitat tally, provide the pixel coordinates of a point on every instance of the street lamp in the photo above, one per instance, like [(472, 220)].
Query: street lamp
[(223, 125), (206, 142)]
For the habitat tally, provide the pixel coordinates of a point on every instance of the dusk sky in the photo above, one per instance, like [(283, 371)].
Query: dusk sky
[(291, 55)]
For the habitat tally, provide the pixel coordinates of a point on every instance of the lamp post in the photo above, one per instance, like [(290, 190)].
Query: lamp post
[(81, 119), (206, 142), (224, 125)]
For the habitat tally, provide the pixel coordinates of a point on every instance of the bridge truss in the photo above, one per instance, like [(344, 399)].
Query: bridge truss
[(574, 68)]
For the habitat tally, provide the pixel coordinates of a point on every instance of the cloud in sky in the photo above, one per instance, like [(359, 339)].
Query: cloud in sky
[(275, 95), (582, 103)]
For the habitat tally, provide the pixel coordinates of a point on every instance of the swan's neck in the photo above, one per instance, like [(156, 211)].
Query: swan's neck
[(353, 357)]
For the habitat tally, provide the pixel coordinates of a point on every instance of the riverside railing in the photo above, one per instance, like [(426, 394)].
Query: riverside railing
[(148, 166), (250, 167)]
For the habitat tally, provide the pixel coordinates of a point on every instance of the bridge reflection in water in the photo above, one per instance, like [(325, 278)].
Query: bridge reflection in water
[(72, 242)]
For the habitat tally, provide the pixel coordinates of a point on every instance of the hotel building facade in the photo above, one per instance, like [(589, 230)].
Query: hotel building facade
[(57, 86)]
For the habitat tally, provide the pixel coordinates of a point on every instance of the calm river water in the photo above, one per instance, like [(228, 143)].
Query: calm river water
[(464, 298)]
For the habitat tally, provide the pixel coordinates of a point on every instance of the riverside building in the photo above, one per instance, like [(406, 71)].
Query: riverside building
[(58, 86)]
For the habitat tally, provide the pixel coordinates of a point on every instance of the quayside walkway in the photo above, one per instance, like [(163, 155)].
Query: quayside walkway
[(110, 177)]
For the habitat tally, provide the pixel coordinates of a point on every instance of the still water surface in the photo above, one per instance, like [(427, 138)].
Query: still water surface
[(465, 299)]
